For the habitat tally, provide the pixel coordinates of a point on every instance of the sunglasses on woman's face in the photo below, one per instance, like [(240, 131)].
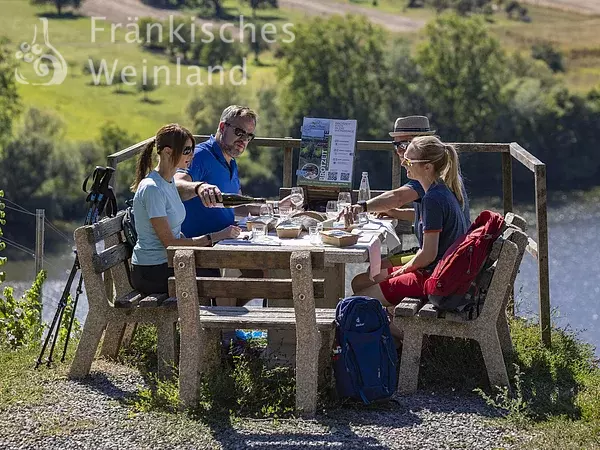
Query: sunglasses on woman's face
[(240, 132), (400, 146), (187, 150), (411, 162)]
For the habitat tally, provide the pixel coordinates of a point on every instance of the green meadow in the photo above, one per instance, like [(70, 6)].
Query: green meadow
[(85, 107), (576, 35)]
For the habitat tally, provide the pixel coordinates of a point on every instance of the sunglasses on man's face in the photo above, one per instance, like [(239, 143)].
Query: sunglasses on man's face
[(411, 162), (240, 132), (187, 150), (400, 146)]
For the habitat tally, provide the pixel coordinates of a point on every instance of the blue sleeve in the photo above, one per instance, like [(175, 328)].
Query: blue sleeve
[(416, 186), (154, 201), (431, 215), (196, 169)]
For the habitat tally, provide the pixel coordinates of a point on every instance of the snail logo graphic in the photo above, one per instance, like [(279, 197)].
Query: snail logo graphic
[(46, 60)]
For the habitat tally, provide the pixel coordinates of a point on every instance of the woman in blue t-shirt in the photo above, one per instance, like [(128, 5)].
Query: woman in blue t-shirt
[(441, 221), (159, 210)]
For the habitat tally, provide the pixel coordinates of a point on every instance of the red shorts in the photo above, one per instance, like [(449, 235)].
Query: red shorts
[(406, 285)]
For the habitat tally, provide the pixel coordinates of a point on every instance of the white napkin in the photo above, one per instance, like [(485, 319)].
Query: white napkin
[(391, 238), (374, 258)]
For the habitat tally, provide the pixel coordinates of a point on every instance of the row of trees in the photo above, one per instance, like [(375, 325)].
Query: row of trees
[(512, 8), (459, 76), (203, 53), (210, 8), (472, 90)]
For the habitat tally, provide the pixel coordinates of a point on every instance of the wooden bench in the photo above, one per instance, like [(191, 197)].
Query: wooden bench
[(201, 324), (416, 317), (113, 303)]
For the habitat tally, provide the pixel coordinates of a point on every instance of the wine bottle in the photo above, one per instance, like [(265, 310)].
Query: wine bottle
[(232, 200)]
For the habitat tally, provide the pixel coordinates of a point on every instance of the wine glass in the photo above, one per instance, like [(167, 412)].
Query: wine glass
[(284, 212), (331, 209), (297, 197), (266, 210), (344, 200)]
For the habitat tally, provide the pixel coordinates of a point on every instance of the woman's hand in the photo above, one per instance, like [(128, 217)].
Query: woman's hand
[(398, 272), (231, 232)]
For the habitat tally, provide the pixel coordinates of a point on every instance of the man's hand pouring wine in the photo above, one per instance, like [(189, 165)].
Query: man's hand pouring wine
[(209, 194)]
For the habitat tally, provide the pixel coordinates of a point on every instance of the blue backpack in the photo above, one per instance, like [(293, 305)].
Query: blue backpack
[(365, 356)]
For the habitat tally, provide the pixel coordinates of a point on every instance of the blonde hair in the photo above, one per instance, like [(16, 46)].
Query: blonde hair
[(445, 162)]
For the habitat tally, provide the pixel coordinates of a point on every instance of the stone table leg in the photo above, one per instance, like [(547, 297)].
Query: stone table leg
[(335, 285)]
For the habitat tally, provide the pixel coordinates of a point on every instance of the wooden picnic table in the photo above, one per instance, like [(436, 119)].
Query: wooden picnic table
[(281, 342), (336, 259), (301, 324)]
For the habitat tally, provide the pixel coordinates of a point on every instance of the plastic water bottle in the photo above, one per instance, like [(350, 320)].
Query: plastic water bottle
[(364, 194)]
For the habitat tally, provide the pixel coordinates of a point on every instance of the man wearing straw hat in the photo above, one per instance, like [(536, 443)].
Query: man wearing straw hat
[(390, 203)]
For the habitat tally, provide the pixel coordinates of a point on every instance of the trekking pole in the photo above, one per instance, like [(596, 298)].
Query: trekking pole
[(104, 194), (59, 310), (101, 177), (72, 319)]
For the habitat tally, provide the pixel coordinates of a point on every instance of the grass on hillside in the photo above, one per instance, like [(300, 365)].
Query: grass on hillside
[(574, 34), (85, 108)]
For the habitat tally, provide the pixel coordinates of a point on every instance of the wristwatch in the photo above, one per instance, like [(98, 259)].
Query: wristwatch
[(363, 205)]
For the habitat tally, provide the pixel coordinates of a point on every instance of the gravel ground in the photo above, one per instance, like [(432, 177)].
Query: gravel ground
[(93, 415)]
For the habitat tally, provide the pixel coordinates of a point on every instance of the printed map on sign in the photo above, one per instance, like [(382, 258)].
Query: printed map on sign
[(327, 152)]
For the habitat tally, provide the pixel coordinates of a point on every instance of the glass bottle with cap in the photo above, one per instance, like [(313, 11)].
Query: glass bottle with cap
[(364, 195)]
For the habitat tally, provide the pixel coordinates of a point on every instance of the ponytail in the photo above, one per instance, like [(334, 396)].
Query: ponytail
[(451, 173), (173, 136), (144, 163)]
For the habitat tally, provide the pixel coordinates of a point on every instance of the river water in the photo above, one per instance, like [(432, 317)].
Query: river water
[(574, 276)]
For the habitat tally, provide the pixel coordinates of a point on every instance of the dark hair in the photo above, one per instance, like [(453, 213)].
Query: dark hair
[(173, 136)]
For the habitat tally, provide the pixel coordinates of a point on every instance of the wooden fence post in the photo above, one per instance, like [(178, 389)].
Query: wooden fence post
[(39, 240), (288, 153), (507, 183), (396, 171), (507, 200), (541, 212)]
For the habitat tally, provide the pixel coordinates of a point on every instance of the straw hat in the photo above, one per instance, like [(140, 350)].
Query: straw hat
[(412, 126)]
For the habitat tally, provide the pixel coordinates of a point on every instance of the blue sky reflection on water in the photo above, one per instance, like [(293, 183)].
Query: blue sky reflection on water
[(574, 279)]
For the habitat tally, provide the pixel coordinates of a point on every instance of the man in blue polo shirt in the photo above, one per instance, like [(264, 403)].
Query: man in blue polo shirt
[(213, 170)]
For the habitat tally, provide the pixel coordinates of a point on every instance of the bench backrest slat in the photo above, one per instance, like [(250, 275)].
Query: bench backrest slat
[(105, 228), (110, 257), (504, 271), (105, 273), (248, 288)]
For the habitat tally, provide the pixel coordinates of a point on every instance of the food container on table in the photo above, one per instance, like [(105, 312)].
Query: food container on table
[(339, 238), (288, 231), (268, 221)]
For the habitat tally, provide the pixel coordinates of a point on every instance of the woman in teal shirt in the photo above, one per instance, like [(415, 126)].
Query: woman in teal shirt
[(159, 211)]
